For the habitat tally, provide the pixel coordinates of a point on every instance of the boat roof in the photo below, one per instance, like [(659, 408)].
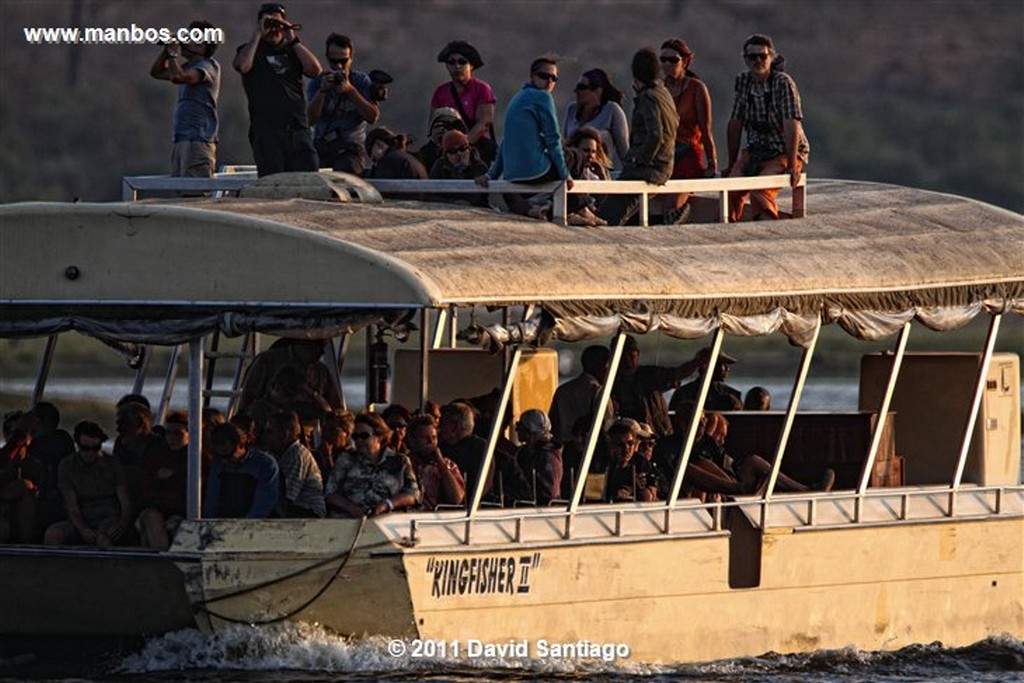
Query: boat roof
[(862, 247)]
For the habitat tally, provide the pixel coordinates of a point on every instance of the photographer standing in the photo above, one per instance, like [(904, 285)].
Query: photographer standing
[(272, 64), (341, 104), (195, 113)]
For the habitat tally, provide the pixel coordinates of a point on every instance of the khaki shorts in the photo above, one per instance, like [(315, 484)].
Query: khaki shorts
[(193, 159)]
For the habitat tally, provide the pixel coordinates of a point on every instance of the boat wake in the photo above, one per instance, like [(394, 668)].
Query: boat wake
[(309, 650)]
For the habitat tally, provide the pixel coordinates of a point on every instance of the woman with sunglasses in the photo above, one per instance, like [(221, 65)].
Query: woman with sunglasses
[(471, 97), (374, 479), (695, 155), (599, 105)]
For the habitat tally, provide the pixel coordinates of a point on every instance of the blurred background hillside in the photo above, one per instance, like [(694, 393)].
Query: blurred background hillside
[(927, 93)]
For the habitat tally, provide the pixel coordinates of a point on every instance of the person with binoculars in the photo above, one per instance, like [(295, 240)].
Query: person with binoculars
[(272, 64)]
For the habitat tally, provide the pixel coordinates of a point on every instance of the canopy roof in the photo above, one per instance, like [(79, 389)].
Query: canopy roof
[(864, 248)]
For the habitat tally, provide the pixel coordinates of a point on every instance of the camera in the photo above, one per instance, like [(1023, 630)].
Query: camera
[(338, 77)]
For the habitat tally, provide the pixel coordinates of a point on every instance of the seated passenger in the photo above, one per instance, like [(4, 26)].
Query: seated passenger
[(302, 354), (628, 477), (290, 391), (302, 489), (397, 417), (95, 494), (134, 445), (50, 444), (462, 446), (373, 480), (21, 477), (758, 399), (539, 456), (164, 485), (442, 120), (335, 438), (389, 158), (243, 481), (587, 158), (459, 161), (440, 480)]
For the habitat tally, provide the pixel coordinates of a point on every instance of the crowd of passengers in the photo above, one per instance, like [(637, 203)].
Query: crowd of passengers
[(668, 136), (291, 452)]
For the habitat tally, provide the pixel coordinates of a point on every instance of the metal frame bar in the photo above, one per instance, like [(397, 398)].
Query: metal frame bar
[(169, 381), (787, 425), (346, 339), (45, 364), (883, 410), (595, 426), (438, 339), (195, 429), (492, 439), (140, 372), (979, 392), (691, 431), (424, 356), (330, 356)]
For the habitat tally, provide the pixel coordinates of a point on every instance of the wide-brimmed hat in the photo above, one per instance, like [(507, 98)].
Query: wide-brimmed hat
[(461, 47), (705, 353)]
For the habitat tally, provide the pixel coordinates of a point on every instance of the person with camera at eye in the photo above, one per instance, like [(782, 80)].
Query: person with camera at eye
[(195, 123), (272, 64), (342, 102)]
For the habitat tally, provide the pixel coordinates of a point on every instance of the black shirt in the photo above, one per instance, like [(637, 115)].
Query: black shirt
[(274, 88)]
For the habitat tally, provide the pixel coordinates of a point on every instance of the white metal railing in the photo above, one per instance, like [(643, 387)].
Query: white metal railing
[(797, 511), (235, 180)]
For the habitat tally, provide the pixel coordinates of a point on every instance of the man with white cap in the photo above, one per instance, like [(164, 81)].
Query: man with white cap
[(540, 456), (721, 396)]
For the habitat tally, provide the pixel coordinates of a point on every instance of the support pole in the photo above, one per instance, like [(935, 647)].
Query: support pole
[(979, 392), (45, 363), (492, 439), (195, 429), (595, 426), (169, 381), (438, 340), (883, 410), (140, 372), (424, 357), (691, 432), (346, 339), (787, 425)]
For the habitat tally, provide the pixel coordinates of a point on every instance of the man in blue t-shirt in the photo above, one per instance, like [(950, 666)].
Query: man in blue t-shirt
[(195, 113), (342, 102)]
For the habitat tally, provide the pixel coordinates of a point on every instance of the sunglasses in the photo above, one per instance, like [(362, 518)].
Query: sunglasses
[(670, 60), (341, 60), (90, 449), (359, 436), (552, 78), (584, 86), (457, 61), (457, 150), (755, 56)]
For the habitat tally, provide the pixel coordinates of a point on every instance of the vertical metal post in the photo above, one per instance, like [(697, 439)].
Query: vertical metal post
[(645, 210), (442, 316), (369, 363), (211, 367), (453, 328), (346, 339), (595, 426), (723, 206), (169, 380), (883, 410), (330, 358), (424, 356), (492, 439), (560, 205), (195, 429), (691, 432), (45, 363), (799, 208), (787, 425), (979, 392)]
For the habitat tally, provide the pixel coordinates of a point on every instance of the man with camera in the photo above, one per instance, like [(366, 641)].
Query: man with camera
[(341, 104), (195, 113), (272, 64)]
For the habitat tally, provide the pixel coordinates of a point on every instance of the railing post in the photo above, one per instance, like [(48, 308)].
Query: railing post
[(979, 392), (799, 208), (560, 205), (723, 206), (645, 210)]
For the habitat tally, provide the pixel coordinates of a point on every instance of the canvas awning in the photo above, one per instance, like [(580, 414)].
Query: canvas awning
[(866, 256)]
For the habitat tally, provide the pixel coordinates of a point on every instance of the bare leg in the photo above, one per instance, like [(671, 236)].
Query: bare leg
[(709, 477), (154, 533), (754, 469)]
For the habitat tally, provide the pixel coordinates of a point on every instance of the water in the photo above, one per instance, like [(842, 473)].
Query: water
[(310, 654)]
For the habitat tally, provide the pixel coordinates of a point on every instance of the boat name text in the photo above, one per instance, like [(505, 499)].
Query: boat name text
[(509, 575)]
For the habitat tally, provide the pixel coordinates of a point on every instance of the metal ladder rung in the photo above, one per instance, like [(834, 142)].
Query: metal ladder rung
[(228, 354), (221, 393)]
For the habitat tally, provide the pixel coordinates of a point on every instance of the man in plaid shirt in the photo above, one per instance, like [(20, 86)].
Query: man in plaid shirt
[(766, 105)]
